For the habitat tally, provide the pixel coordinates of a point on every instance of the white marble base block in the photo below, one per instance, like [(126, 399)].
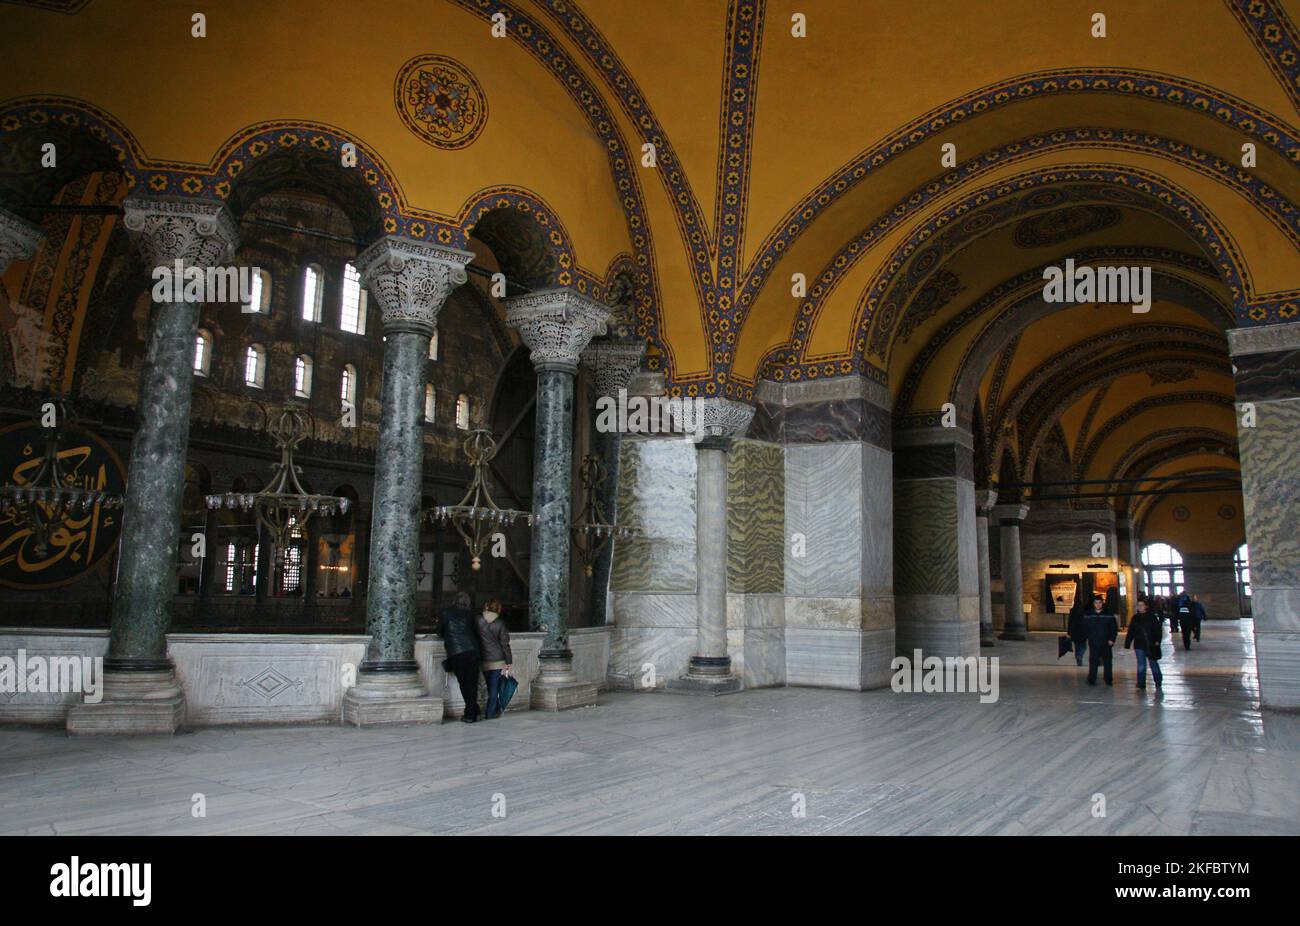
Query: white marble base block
[(429, 654), (46, 707)]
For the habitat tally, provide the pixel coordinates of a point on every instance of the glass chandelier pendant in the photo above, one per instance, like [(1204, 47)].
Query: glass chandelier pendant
[(478, 517), (589, 531), (50, 496), (283, 507)]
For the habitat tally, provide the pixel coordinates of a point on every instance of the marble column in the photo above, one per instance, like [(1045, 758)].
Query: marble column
[(1266, 363), (1009, 518), (141, 694), (984, 502), (410, 281), (611, 364), (18, 239), (720, 421), (557, 325)]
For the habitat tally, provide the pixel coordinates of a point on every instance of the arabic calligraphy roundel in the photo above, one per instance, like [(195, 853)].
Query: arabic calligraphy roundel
[(440, 101), (83, 542)]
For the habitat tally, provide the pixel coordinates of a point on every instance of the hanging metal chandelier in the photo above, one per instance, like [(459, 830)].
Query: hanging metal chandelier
[(477, 517), (51, 496), (283, 506), (590, 531)]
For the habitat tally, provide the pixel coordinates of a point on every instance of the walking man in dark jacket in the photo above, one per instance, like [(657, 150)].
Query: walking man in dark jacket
[(1103, 631), (1144, 635), (1078, 632), (1187, 608), (458, 629)]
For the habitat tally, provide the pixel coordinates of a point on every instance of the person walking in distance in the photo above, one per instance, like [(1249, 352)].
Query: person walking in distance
[(1103, 631), (1144, 637)]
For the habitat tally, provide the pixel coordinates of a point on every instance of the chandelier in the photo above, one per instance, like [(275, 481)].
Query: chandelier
[(589, 531), (283, 507), (477, 516), (51, 496)]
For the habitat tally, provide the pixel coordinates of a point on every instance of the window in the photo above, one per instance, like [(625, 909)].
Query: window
[(241, 568), (1162, 570), (428, 402), (462, 412), (348, 387), (311, 293), (1241, 565), (353, 318), (259, 299), (433, 344), (202, 353), (255, 366), (291, 571), (302, 376)]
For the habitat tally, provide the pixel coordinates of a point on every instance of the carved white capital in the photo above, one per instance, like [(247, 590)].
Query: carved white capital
[(556, 324), (411, 280), (612, 363), (18, 239), (197, 232), (719, 417), (985, 499)]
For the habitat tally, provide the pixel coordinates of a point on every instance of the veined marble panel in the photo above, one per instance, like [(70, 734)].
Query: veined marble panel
[(656, 499), (46, 707), (590, 646), (1278, 658), (877, 521), (858, 660), (429, 654), (763, 657), (638, 653), (755, 517), (1270, 488), (823, 502), (875, 613), (938, 625), (926, 536)]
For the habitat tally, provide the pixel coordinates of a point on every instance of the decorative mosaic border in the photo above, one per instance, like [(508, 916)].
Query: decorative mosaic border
[(1115, 422), (1274, 36), (1145, 455)]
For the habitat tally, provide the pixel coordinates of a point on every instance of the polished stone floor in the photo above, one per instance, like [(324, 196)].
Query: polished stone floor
[(1199, 758)]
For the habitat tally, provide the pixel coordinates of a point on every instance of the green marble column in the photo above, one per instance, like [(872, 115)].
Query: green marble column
[(409, 281), (557, 325), (140, 690)]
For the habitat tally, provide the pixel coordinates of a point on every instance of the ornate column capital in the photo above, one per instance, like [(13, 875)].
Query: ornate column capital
[(719, 421), (1010, 512), (557, 325), (18, 239), (985, 499), (411, 280), (612, 363), (197, 232)]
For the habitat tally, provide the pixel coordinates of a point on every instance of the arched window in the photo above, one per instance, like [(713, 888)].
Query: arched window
[(1241, 566), (312, 286), (433, 344), (348, 387), (255, 366), (202, 353), (259, 300), (428, 402), (302, 376), (462, 412), (353, 316), (1162, 570)]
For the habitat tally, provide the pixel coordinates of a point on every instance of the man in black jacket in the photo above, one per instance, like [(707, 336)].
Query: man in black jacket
[(1103, 631), (1144, 633), (459, 634)]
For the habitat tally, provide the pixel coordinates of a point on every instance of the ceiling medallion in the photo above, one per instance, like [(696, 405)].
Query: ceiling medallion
[(440, 101)]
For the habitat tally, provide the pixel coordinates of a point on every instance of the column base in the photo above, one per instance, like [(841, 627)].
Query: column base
[(390, 695), (704, 684), (134, 701), (557, 688), (1014, 633)]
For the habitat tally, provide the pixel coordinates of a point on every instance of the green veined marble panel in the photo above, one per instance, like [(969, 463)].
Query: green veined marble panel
[(925, 537), (756, 518)]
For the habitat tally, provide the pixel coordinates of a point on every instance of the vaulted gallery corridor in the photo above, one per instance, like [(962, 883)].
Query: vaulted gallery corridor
[(866, 418)]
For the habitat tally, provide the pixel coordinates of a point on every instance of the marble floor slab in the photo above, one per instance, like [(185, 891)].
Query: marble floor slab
[(1197, 758)]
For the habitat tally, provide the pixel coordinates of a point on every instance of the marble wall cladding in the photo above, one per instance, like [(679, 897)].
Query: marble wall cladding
[(756, 638), (1270, 479), (846, 420), (857, 660), (656, 499), (938, 625), (755, 517), (652, 633), (264, 678), (590, 646), (1212, 578), (1053, 536), (926, 520), (39, 706), (429, 654)]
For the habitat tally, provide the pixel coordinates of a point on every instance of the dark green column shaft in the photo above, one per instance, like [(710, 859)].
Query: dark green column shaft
[(552, 469)]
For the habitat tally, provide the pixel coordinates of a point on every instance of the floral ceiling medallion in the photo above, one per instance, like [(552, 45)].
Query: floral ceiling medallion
[(440, 101)]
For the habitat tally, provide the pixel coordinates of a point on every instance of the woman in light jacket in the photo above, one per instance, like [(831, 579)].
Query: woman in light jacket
[(494, 642)]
